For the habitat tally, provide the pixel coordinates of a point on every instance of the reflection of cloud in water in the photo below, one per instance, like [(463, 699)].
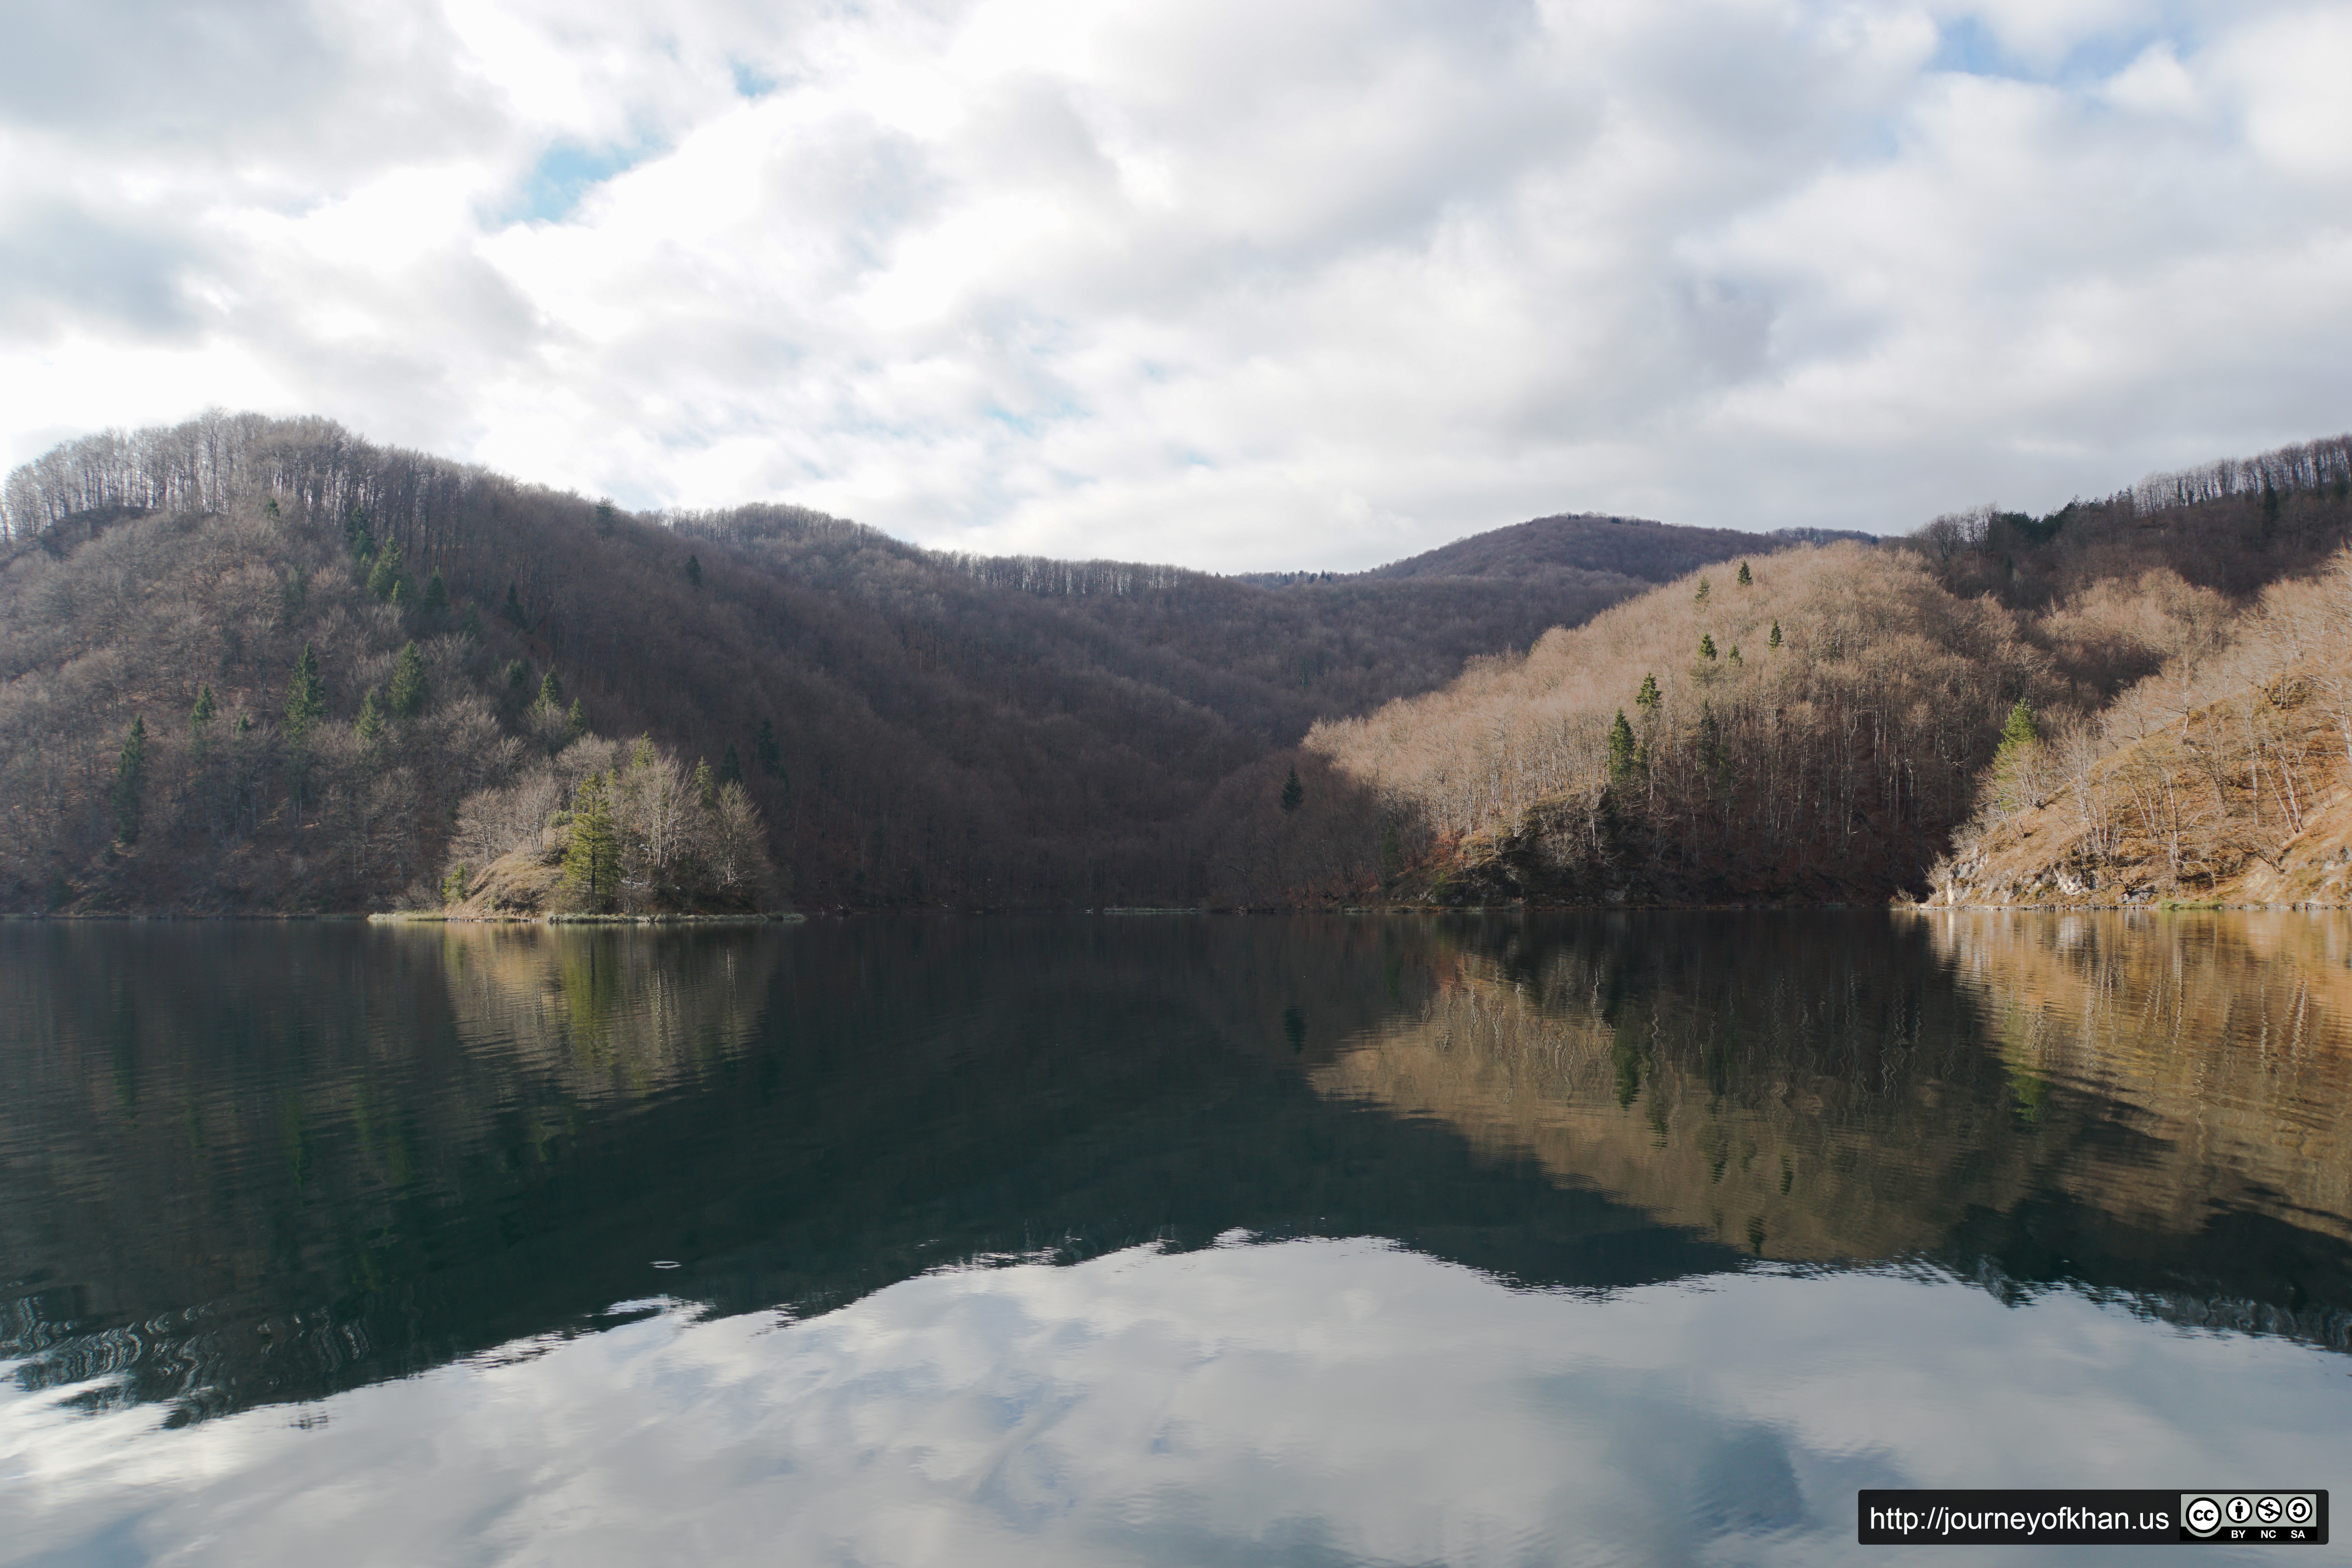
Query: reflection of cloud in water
[(1306, 1402)]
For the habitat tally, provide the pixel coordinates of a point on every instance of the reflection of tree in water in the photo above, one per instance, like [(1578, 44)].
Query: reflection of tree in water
[(1834, 1095), (240, 1164)]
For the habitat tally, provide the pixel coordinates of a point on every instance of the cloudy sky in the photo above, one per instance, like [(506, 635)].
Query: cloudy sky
[(1322, 1402), (1234, 285)]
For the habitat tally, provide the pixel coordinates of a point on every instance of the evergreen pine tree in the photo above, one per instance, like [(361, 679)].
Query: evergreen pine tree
[(1624, 752), (765, 747), (1293, 792), (130, 780), (1647, 697), (200, 720), (436, 595), (1733, 656), (706, 788), (1704, 589), (592, 861), (386, 578), (1706, 645), (550, 693), (576, 721), (1774, 640), (1745, 577), (512, 610), (2020, 737), (694, 570), (730, 767), (371, 723), (305, 698), (410, 691), (2022, 729)]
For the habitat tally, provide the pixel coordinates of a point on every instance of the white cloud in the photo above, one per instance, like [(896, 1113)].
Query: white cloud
[(1226, 284), (1339, 1402)]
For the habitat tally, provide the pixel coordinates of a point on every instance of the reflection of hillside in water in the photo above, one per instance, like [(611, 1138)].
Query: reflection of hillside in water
[(229, 1152), (2224, 1040), (244, 1163), (2160, 1110), (604, 1014)]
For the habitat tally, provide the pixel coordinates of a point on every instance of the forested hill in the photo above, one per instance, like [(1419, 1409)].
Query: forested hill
[(1570, 548), (914, 728), (1816, 724)]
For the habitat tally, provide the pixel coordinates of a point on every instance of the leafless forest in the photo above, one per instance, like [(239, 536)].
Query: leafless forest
[(911, 728), (1816, 724), (262, 665)]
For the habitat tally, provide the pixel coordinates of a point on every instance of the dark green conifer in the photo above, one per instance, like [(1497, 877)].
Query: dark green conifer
[(592, 861), (551, 692), (1774, 640), (512, 610), (371, 722), (306, 696), (386, 578), (1293, 792), (694, 570), (1624, 751), (1745, 577), (706, 788), (436, 595), (410, 690), (1706, 645), (765, 747), (1647, 697), (200, 720), (730, 767), (576, 721), (130, 780)]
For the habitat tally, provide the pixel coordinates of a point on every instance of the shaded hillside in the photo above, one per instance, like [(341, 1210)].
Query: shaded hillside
[(1618, 554), (915, 728), (2232, 526), (1586, 541)]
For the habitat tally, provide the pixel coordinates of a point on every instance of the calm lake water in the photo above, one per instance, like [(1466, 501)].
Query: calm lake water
[(1168, 1240)]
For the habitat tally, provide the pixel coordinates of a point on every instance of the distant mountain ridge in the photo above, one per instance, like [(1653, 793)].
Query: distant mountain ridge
[(1579, 547)]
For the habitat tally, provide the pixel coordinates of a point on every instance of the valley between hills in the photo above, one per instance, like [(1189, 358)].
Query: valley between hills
[(254, 666)]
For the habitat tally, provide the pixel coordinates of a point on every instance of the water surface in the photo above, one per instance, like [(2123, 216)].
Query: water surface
[(1618, 1238)]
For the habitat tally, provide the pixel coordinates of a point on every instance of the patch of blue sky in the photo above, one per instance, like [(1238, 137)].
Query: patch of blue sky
[(1967, 46), (750, 81), (565, 173)]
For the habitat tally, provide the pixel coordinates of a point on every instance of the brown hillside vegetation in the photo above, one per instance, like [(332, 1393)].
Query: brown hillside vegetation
[(1836, 764), (1945, 1082), (2222, 776), (1829, 766)]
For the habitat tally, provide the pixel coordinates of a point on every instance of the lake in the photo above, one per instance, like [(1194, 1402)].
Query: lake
[(1158, 1239)]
